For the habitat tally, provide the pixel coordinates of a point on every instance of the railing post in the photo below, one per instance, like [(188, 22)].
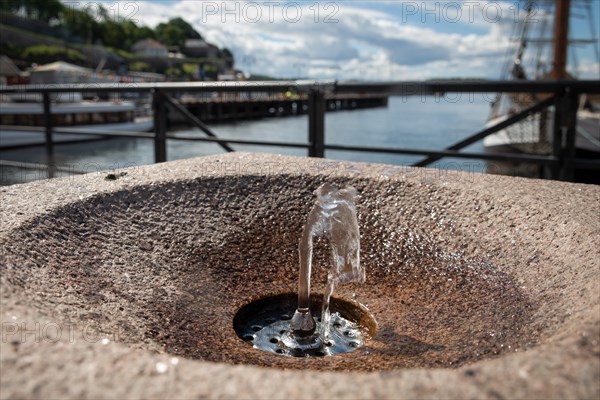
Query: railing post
[(563, 142), (160, 126), (570, 127), (316, 123), (49, 141), (557, 135)]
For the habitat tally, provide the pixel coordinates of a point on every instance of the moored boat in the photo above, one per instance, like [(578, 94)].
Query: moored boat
[(534, 135), (117, 116)]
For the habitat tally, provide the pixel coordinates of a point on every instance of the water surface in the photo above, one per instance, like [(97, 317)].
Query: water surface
[(408, 122)]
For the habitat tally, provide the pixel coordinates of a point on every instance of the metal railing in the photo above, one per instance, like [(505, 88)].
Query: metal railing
[(564, 95)]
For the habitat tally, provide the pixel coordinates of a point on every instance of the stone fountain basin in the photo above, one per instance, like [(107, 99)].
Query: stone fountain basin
[(481, 285)]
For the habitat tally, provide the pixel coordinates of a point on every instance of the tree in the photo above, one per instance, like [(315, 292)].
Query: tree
[(228, 56), (43, 10), (186, 28), (144, 32), (94, 24), (81, 24), (225, 52), (47, 9), (170, 35), (14, 6), (10, 6), (175, 32), (114, 35)]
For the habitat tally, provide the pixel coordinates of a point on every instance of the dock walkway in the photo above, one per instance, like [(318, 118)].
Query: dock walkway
[(239, 106)]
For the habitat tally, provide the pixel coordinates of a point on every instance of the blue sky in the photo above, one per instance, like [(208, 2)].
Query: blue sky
[(374, 40)]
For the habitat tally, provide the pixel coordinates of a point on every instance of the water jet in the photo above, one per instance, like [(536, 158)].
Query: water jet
[(334, 216)]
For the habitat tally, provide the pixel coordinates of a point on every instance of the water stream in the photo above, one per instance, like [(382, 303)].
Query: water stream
[(269, 325), (333, 216)]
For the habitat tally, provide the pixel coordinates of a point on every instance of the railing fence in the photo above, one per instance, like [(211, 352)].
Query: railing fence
[(564, 96)]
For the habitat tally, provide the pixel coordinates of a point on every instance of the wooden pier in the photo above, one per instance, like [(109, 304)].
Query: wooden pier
[(238, 106)]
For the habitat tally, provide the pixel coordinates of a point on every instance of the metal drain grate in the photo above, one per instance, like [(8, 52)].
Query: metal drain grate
[(264, 325)]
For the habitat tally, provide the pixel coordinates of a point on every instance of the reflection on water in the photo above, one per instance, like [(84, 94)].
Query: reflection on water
[(412, 122)]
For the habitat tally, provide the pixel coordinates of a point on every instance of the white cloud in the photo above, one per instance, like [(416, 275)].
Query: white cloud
[(358, 42), (588, 69)]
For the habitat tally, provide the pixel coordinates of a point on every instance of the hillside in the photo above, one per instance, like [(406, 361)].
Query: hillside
[(74, 36)]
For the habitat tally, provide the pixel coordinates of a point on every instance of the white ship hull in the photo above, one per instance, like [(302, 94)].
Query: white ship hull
[(104, 116), (527, 136), (10, 138)]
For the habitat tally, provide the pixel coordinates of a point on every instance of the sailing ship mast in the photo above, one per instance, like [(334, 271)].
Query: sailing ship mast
[(534, 135), (561, 39)]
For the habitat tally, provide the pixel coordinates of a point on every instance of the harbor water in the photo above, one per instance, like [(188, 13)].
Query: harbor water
[(416, 122)]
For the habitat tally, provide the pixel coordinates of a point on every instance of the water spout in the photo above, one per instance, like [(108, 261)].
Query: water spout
[(333, 216)]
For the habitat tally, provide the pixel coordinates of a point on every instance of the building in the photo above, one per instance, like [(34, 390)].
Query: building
[(61, 72), (9, 72), (199, 48), (150, 48)]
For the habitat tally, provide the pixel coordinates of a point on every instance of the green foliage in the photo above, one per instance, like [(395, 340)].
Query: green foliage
[(170, 34), (45, 54), (142, 32), (190, 69), (47, 9), (228, 56), (43, 10), (124, 54), (188, 31), (175, 32), (10, 50), (8, 6), (113, 35), (94, 24), (124, 34), (81, 23), (173, 71), (139, 66), (44, 38), (226, 52)]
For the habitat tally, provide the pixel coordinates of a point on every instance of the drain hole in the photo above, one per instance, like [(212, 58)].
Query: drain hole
[(264, 325), (297, 353)]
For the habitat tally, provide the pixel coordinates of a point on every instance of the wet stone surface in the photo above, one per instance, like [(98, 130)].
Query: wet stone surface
[(170, 265)]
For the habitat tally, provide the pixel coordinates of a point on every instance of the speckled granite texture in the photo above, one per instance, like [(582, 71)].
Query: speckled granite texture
[(482, 286)]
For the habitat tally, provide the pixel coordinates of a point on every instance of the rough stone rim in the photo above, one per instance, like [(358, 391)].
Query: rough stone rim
[(540, 373)]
